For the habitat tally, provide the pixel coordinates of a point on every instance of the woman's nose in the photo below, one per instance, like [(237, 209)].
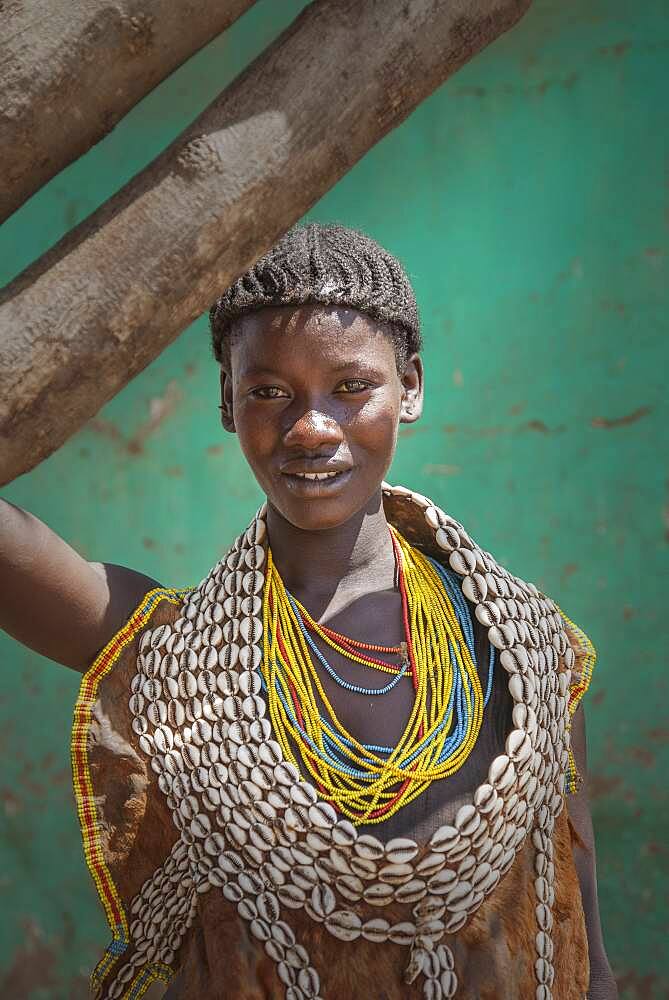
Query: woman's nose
[(312, 429)]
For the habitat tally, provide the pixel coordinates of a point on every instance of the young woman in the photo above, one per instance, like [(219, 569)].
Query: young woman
[(338, 767)]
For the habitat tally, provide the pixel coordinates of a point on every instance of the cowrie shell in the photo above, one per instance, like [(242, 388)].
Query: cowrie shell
[(268, 906), (321, 814), (488, 614), (402, 933), (250, 628), (544, 917), (228, 655), (430, 864), (322, 900), (442, 882), (260, 929), (411, 892), (249, 682), (462, 561), (272, 875), (395, 874), (447, 538), (136, 704), (303, 794), (401, 850), (445, 838), (364, 867), (432, 517), (247, 909), (350, 887), (308, 982), (544, 971), (250, 657), (467, 865), (376, 930), (467, 820), (232, 892), (200, 825), (344, 834), (320, 839), (475, 588), (432, 990), (378, 894), (431, 907), (461, 892), (305, 876), (431, 930), (484, 798), (344, 925), (502, 636), (369, 847), (208, 658), (515, 660), (518, 746), (286, 974), (150, 663), (501, 773), (449, 983), (292, 896), (253, 582)]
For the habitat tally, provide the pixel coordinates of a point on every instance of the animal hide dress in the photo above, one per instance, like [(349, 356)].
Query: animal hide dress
[(224, 874)]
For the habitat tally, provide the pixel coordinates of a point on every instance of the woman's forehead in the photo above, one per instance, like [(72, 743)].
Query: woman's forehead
[(308, 318), (326, 333)]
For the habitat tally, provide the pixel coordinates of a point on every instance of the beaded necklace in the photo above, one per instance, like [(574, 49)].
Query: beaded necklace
[(368, 783), (250, 829)]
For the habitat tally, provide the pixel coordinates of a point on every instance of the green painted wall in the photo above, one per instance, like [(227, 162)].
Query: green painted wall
[(529, 199)]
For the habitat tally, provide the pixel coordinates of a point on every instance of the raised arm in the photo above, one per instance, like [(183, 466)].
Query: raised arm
[(53, 600), (602, 984)]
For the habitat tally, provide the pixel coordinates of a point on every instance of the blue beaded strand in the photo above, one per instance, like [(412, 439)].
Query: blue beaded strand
[(457, 706), (357, 688)]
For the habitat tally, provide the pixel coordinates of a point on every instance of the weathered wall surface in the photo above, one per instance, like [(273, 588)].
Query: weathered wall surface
[(529, 199)]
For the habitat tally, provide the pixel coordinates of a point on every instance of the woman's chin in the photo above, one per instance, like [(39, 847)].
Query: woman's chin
[(309, 509)]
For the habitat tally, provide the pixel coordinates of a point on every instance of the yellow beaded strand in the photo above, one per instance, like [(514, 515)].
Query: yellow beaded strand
[(433, 625)]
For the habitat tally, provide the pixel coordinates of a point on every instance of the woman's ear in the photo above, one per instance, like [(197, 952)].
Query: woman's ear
[(411, 406), (226, 401)]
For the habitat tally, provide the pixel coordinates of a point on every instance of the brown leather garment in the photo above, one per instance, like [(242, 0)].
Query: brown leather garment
[(494, 953)]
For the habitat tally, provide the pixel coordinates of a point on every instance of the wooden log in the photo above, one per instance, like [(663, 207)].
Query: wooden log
[(71, 69), (78, 324)]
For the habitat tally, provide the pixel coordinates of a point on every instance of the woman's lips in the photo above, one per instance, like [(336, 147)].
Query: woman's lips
[(316, 484)]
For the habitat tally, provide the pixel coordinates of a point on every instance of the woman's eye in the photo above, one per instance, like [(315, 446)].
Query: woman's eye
[(268, 392), (355, 385)]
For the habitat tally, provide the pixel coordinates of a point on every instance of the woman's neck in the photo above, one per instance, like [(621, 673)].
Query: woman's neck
[(357, 556)]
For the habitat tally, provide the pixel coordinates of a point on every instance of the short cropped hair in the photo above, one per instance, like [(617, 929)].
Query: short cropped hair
[(328, 265)]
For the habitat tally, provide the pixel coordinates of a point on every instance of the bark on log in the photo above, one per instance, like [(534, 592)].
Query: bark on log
[(78, 324), (71, 69)]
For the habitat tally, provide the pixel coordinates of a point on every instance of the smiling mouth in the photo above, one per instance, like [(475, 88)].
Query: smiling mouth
[(316, 484), (316, 475)]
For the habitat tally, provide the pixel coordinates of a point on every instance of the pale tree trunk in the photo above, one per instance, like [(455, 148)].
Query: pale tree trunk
[(70, 70), (76, 326)]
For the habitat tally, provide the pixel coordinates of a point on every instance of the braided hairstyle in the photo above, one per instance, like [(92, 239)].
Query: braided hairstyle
[(328, 265)]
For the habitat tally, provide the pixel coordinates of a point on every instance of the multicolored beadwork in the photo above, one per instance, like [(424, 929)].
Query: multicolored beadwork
[(250, 828), (370, 783)]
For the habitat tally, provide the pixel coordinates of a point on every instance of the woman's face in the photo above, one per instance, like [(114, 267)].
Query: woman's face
[(314, 396)]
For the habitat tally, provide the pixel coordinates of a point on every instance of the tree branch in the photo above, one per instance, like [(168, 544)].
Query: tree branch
[(71, 69), (82, 321)]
